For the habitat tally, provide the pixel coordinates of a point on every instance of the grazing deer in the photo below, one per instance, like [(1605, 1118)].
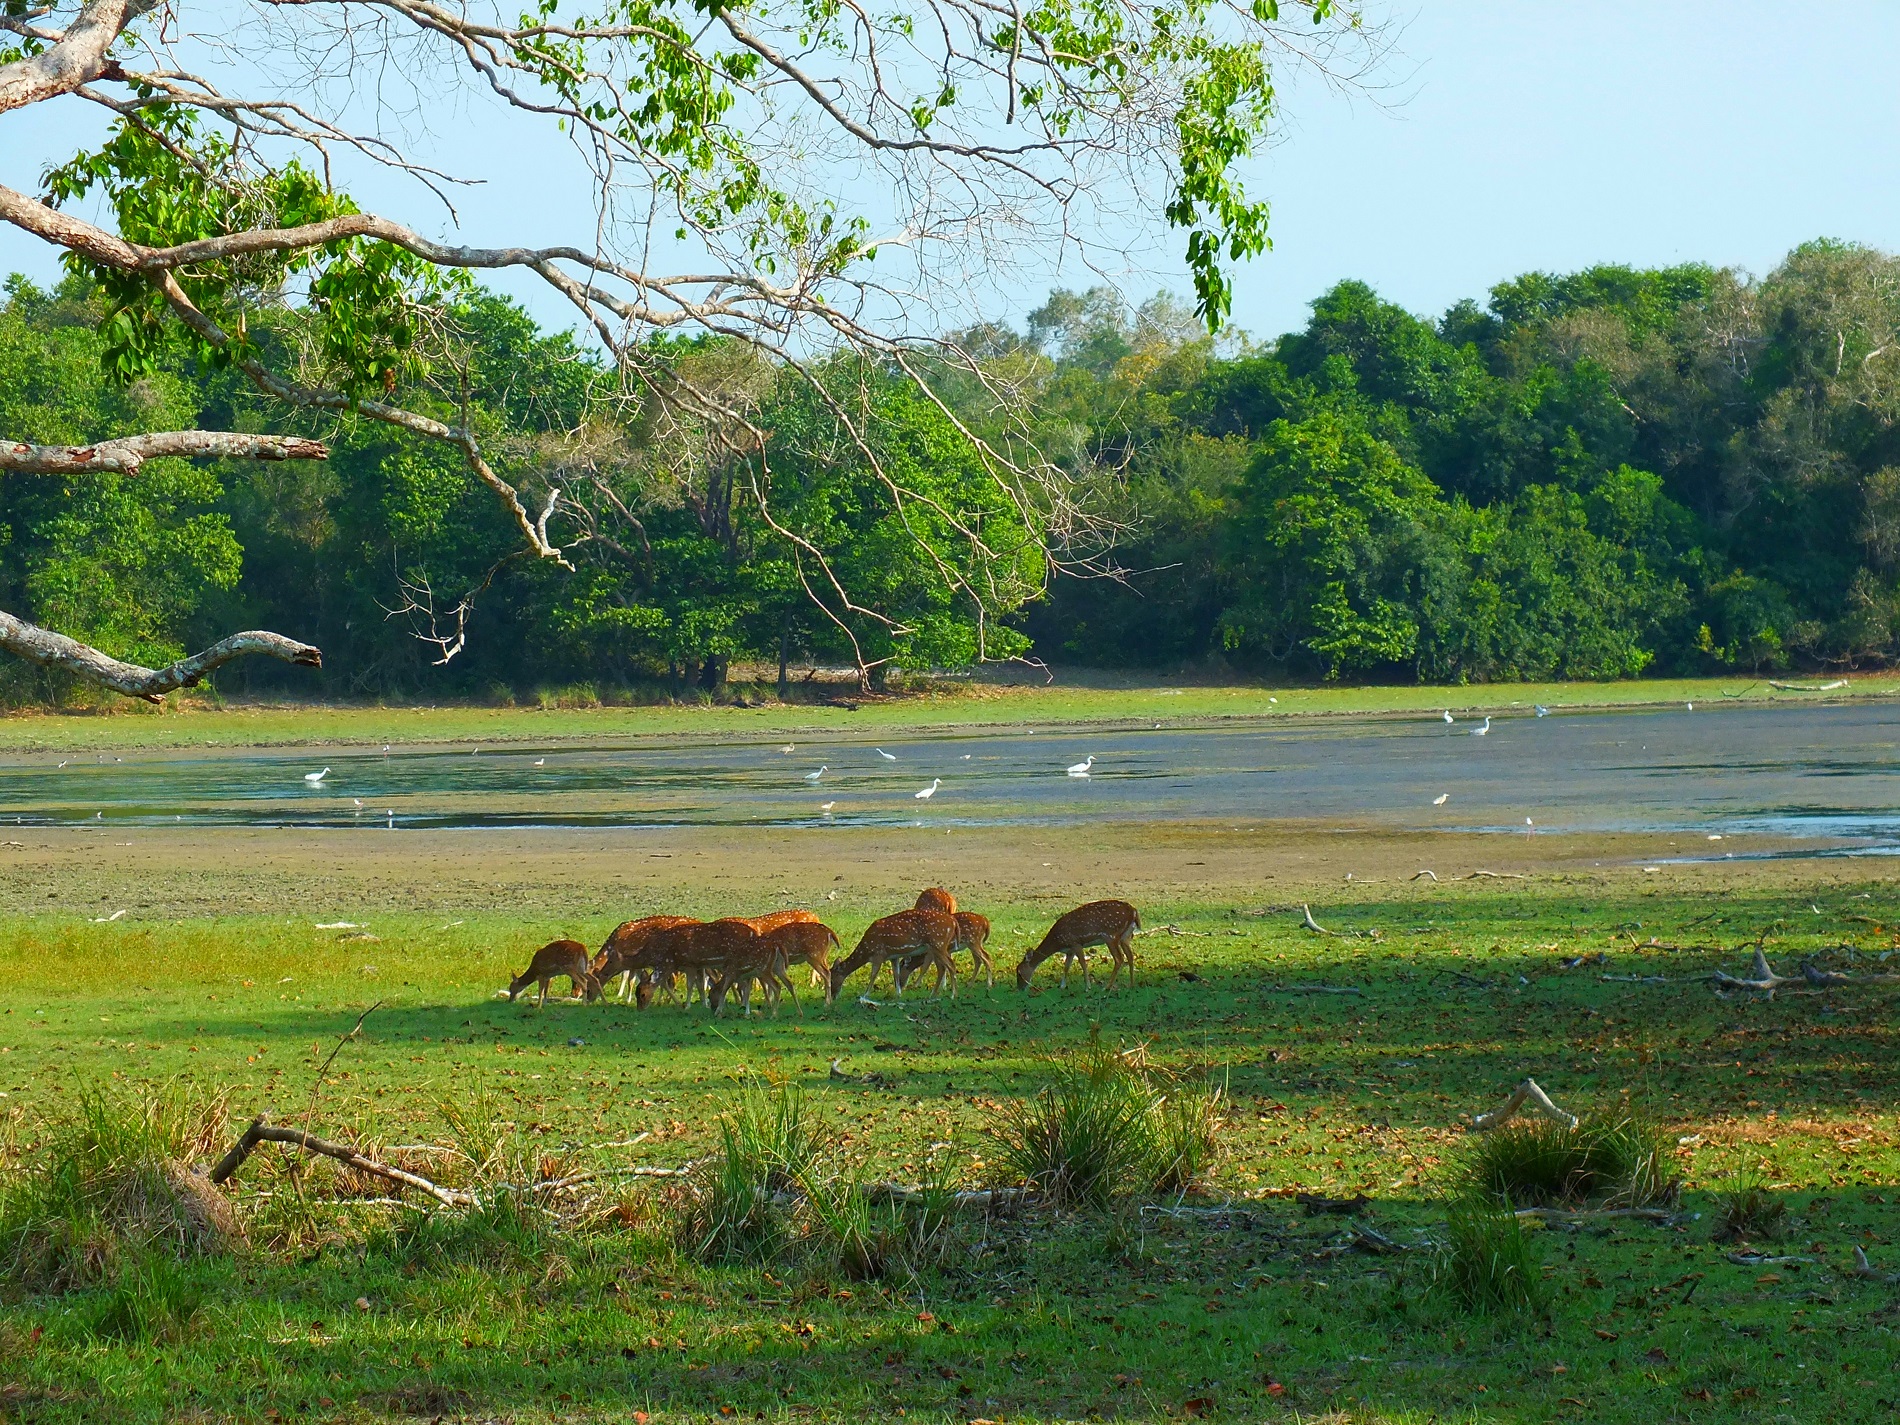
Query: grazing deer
[(620, 957), (762, 963), (698, 949), (809, 941), (773, 920), (557, 958), (973, 934), (937, 898), (897, 937), (1110, 923)]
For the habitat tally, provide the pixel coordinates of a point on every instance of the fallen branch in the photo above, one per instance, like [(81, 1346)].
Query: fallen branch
[(981, 1199), (1493, 876), (1312, 924), (1637, 979), (1808, 687), (1526, 1092), (1312, 990), (1316, 1203), (56, 650), (1757, 1259), (126, 454), (1765, 977), (260, 1131), (1865, 1268), (1422, 874)]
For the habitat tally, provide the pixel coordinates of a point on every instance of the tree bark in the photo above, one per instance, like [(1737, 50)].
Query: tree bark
[(125, 455), (784, 655), (56, 650)]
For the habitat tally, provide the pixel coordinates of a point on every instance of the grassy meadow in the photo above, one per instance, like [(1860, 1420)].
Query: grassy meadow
[(195, 720), (1223, 1301)]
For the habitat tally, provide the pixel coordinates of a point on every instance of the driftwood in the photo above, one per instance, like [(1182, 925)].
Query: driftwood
[(1808, 687), (1525, 1093), (1494, 876), (260, 1131), (1422, 874)]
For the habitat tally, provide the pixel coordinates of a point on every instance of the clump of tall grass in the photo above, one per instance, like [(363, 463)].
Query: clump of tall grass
[(1746, 1211), (1614, 1159), (1487, 1262), (111, 1186), (737, 1204), (1109, 1123)]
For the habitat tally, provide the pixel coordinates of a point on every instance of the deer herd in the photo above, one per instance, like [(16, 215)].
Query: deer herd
[(717, 958)]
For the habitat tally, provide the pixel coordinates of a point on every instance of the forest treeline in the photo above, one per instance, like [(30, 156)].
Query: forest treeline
[(1585, 476)]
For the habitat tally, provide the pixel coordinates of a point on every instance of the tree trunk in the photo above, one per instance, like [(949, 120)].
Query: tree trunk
[(712, 674), (784, 652)]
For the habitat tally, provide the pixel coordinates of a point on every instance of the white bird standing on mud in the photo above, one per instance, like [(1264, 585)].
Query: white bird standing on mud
[(1484, 731), (1449, 719), (314, 777), (930, 791), (1441, 799), (814, 776), (888, 757), (1081, 769)]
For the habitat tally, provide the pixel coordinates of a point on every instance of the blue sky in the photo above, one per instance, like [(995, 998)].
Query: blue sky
[(1502, 137)]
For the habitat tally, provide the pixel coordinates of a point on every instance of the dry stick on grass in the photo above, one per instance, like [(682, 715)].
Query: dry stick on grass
[(1492, 876), (1313, 925), (1559, 1214), (1312, 990), (1808, 687), (1526, 1092), (1865, 1268), (260, 1131), (1422, 874)]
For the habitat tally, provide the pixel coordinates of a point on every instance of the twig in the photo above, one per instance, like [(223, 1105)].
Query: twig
[(1865, 1268), (316, 1086), (1422, 874), (1493, 876), (260, 1131), (1756, 1259), (1311, 990), (1560, 1214), (1526, 1092)]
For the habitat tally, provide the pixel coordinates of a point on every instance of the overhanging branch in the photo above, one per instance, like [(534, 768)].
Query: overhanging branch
[(125, 455), (56, 650)]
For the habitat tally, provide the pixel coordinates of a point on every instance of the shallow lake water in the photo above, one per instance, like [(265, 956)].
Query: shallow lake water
[(1826, 775)]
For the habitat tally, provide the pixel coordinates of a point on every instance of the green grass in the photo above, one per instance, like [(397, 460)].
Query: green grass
[(1227, 1302), (950, 703)]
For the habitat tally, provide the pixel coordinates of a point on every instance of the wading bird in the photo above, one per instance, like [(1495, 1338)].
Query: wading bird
[(1441, 799), (1542, 711), (888, 757), (814, 776), (1484, 731), (930, 791), (1081, 769), (1449, 719), (826, 807), (314, 777)]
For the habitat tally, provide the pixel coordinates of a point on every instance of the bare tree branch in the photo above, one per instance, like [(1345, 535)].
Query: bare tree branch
[(56, 650), (126, 454)]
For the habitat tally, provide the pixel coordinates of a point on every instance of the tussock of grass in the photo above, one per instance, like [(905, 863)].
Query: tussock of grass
[(1110, 1124), (110, 1188), (1746, 1211), (1487, 1262), (1615, 1159)]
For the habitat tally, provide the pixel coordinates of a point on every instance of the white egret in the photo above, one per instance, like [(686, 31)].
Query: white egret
[(1484, 731), (315, 777), (61, 765), (1081, 769), (888, 757), (1529, 826), (1691, 707), (1542, 711), (826, 807), (1449, 719), (1441, 799), (385, 749), (358, 801), (540, 761), (930, 791), (788, 747), (965, 757), (814, 776)]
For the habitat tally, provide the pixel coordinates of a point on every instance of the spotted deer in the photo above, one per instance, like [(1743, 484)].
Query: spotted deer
[(929, 933), (774, 920), (550, 962), (936, 898), (1110, 923), (699, 950), (973, 934), (761, 963), (620, 956), (807, 941)]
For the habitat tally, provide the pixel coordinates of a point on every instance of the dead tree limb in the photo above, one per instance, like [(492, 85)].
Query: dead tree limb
[(1765, 977), (1495, 876), (1865, 1268), (56, 650), (125, 455), (1561, 1214), (1422, 874), (1312, 990), (1808, 687), (1526, 1092), (260, 1131), (1306, 916)]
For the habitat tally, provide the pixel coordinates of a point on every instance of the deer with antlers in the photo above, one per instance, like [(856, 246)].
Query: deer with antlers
[(924, 933), (550, 962), (1109, 923)]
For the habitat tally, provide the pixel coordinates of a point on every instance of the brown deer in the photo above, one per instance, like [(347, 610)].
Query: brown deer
[(698, 949), (1110, 923), (773, 920), (552, 960), (762, 963), (973, 934), (807, 941), (897, 937), (937, 898), (620, 957)]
